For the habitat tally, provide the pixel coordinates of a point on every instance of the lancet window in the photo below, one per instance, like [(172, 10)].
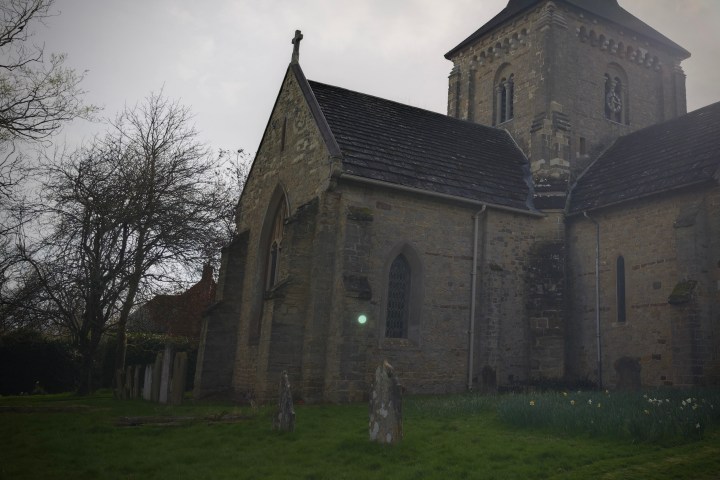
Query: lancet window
[(275, 246), (620, 289), (398, 304)]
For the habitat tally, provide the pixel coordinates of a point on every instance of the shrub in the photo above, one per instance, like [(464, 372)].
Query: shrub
[(33, 363)]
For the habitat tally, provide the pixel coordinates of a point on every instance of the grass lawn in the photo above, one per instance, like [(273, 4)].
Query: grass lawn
[(64, 436)]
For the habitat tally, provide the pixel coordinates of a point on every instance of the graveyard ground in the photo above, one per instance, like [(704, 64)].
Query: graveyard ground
[(97, 437)]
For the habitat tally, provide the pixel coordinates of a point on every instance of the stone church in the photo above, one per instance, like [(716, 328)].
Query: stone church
[(560, 223)]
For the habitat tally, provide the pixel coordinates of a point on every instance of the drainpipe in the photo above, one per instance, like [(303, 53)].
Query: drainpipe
[(597, 298), (473, 288)]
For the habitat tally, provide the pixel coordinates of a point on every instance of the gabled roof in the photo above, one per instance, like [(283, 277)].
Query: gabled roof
[(607, 9), (676, 154), (397, 144)]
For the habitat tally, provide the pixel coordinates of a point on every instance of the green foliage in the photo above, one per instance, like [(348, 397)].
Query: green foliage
[(655, 416), (449, 406), (33, 363), (64, 436)]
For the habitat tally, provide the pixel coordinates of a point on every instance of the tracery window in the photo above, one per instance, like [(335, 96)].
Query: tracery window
[(505, 99), (398, 304), (613, 98), (275, 246), (615, 94)]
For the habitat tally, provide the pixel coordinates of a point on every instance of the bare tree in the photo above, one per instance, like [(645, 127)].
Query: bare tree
[(122, 213), (230, 179), (37, 93), (179, 215)]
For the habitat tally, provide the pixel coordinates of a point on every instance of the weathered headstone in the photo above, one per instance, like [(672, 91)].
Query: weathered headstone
[(157, 371), (177, 384), (284, 419), (148, 383), (166, 374), (628, 373), (385, 406)]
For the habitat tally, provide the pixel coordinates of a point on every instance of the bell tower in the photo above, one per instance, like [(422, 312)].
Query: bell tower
[(565, 78)]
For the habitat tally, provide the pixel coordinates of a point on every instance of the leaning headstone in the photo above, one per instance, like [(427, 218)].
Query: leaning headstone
[(177, 384), (157, 371), (385, 406), (284, 419), (166, 374), (147, 384)]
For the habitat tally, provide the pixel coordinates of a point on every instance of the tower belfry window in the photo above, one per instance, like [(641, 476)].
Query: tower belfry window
[(504, 103)]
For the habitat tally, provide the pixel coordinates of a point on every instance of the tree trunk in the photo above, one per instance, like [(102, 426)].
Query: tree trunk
[(121, 343)]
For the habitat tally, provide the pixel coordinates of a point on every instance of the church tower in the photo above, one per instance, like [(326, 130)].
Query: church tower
[(565, 78)]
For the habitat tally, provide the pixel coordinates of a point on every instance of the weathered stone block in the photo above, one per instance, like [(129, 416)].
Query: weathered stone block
[(385, 424), (284, 419)]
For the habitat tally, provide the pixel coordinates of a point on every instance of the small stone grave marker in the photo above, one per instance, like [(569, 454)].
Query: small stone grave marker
[(385, 406), (284, 419), (177, 384)]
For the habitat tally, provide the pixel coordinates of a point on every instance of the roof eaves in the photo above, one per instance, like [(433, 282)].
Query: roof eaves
[(439, 195), (515, 8), (507, 13), (637, 197)]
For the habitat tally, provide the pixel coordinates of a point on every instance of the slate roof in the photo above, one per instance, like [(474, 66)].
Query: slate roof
[(607, 9), (403, 145), (676, 154)]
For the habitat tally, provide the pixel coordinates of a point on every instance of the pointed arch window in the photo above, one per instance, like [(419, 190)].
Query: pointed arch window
[(505, 99), (620, 289), (275, 246), (398, 304)]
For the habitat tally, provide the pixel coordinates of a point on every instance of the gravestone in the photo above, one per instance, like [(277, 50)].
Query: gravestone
[(628, 373), (148, 383), (385, 424), (177, 384), (157, 371), (284, 419), (166, 374)]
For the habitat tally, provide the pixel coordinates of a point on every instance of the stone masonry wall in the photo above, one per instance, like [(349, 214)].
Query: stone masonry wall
[(293, 159), (670, 248), (375, 226), (559, 56), (521, 312)]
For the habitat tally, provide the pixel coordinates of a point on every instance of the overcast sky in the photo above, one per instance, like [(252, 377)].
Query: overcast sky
[(225, 59)]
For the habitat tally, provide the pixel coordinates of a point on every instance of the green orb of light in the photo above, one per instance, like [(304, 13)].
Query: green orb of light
[(362, 319)]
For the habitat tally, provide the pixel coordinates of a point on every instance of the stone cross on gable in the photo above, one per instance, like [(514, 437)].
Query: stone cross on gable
[(296, 47)]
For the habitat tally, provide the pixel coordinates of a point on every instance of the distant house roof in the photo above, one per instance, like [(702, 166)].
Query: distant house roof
[(176, 315), (607, 9), (679, 153), (398, 144)]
